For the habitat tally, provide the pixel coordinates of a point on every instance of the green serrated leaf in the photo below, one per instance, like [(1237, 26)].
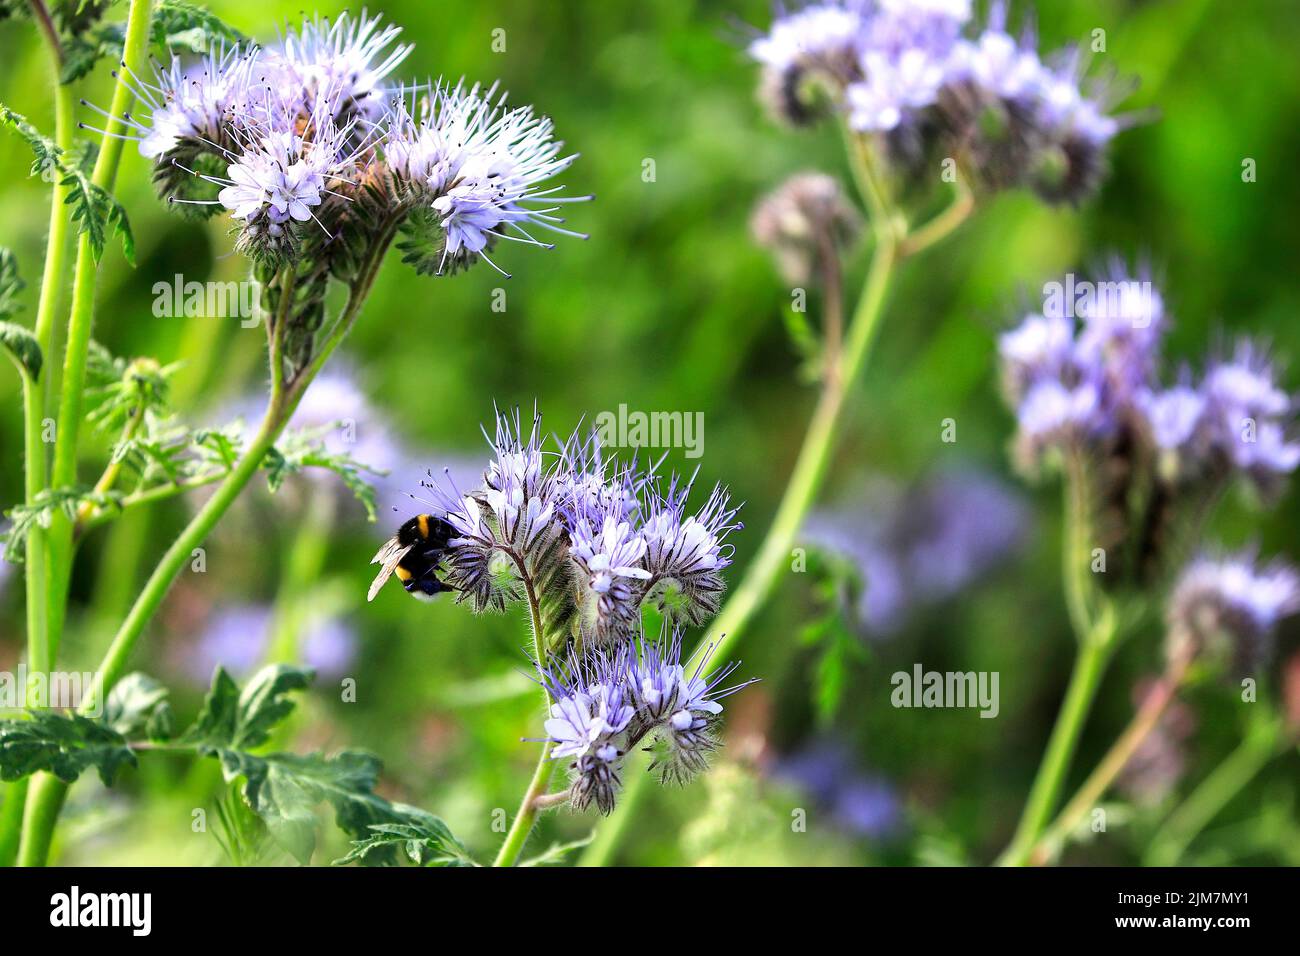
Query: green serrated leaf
[(24, 517), (178, 24), (557, 852), (284, 789), (421, 838), (134, 706), (22, 347), (64, 745), (305, 448), (11, 283), (231, 719), (94, 210)]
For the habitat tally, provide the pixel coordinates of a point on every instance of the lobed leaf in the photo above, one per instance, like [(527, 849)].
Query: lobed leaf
[(64, 745)]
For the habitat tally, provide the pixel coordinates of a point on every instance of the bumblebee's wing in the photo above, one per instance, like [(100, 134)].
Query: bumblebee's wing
[(389, 555)]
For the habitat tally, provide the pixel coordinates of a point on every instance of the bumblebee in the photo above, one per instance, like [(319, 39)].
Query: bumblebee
[(414, 554)]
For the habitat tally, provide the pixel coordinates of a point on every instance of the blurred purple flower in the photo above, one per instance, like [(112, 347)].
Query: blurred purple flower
[(922, 546), (237, 638), (858, 801)]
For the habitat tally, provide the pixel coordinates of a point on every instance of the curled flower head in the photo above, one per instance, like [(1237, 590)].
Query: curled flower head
[(805, 222), (1227, 609), (921, 81), (289, 171), (819, 42), (347, 62), (588, 715), (595, 539), (471, 170), (608, 701), (269, 133), (686, 553), (1248, 415)]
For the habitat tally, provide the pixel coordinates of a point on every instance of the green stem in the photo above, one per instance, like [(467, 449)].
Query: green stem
[(800, 494), (1048, 846), (34, 402), (522, 825), (942, 225), (11, 820), (80, 327), (48, 792), (1263, 741), (1084, 681), (1096, 636)]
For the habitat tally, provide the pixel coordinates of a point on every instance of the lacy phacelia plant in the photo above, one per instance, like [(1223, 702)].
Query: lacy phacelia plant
[(322, 161), (917, 73), (587, 544), (1226, 609), (1155, 456), (1144, 463), (316, 155), (595, 539), (607, 702)]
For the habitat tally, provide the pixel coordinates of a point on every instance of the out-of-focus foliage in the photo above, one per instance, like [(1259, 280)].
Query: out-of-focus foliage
[(669, 306)]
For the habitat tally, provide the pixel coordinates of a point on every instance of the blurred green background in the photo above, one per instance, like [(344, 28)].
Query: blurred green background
[(670, 306)]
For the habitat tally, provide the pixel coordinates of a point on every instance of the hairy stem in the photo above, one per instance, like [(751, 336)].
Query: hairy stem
[(35, 395), (1049, 845), (938, 228), (80, 326), (522, 825), (48, 792)]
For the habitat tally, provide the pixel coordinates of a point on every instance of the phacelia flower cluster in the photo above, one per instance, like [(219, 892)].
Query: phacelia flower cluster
[(932, 83), (313, 148), (595, 539), (607, 702), (1227, 608), (1082, 376), (588, 543)]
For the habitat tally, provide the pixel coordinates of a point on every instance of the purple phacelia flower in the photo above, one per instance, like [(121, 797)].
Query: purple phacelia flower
[(604, 534), (608, 701), (195, 104), (893, 89), (1172, 416), (1248, 415), (1228, 608), (902, 70), (479, 167), (346, 61)]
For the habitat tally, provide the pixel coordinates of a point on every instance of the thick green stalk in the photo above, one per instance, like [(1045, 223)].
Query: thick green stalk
[(1096, 635), (80, 326), (800, 494), (11, 820), (522, 825), (1263, 742), (34, 402), (1046, 790), (48, 793), (1048, 846)]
